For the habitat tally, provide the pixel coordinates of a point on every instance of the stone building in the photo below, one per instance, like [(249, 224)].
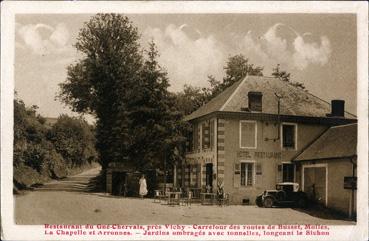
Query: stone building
[(248, 136)]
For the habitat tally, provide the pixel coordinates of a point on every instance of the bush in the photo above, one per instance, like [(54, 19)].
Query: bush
[(29, 136), (55, 165), (41, 152), (74, 139), (25, 177)]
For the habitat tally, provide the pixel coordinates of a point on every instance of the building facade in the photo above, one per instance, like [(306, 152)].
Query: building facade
[(247, 137)]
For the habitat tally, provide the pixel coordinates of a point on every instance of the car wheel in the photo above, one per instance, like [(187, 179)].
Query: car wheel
[(259, 201), (268, 202)]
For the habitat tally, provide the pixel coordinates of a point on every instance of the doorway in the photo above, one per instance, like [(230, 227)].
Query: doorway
[(209, 175), (288, 172), (315, 183), (119, 183)]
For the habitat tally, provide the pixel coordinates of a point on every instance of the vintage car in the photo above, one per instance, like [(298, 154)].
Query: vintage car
[(286, 194)]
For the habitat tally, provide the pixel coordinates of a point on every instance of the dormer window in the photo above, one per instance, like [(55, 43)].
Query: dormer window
[(255, 101)]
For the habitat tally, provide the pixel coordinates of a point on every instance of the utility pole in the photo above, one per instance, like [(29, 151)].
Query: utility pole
[(352, 206), (279, 97)]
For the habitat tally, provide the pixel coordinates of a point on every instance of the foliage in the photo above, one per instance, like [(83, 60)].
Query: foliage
[(236, 68), (102, 82), (30, 144), (190, 99), (25, 176), (37, 152), (282, 75), (125, 91), (74, 139), (286, 77), (155, 123)]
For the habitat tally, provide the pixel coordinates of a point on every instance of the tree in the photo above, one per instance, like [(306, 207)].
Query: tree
[(101, 83), (30, 143), (153, 117), (74, 139), (236, 68), (286, 77), (42, 151), (126, 91), (190, 99), (282, 75)]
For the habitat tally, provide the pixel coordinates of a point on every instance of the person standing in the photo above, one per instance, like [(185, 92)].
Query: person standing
[(143, 186)]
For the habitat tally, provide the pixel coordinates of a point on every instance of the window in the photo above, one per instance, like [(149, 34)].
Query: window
[(212, 134), (255, 101), (207, 134), (248, 134), (289, 136), (189, 141), (247, 173), (195, 137)]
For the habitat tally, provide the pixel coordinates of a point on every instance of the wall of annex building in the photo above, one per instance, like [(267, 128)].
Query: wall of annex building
[(337, 197)]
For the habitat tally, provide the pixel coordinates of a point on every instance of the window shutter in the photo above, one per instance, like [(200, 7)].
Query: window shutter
[(237, 174), (258, 174), (259, 170)]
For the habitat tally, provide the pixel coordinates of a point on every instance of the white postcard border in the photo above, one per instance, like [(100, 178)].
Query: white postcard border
[(10, 9)]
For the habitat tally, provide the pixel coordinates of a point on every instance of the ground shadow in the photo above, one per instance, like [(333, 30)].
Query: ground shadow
[(319, 211), (97, 183)]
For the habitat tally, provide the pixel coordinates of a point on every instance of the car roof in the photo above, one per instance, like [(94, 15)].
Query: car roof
[(287, 183)]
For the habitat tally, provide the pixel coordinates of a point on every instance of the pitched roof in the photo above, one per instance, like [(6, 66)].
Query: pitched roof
[(336, 142), (294, 101), (214, 104)]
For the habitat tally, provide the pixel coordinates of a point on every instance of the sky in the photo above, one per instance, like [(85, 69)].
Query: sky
[(319, 50)]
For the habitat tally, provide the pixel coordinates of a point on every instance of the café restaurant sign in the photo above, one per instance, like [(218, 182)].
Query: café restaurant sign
[(196, 160), (259, 154)]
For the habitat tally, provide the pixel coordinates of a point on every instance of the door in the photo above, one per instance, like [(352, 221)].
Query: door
[(119, 184), (315, 183), (209, 175), (288, 172)]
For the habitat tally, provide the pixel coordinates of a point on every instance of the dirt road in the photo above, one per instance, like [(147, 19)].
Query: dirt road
[(67, 202), (75, 183)]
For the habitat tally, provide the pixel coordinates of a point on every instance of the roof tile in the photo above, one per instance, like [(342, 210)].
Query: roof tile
[(336, 142), (294, 101)]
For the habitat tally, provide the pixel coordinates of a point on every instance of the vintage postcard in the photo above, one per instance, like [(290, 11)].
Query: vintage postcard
[(184, 120)]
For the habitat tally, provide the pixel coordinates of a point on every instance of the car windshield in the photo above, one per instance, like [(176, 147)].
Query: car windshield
[(286, 187)]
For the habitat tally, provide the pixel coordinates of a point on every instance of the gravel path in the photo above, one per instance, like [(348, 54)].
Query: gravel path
[(66, 202)]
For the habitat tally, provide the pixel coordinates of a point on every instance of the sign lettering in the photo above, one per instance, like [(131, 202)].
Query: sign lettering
[(259, 155)]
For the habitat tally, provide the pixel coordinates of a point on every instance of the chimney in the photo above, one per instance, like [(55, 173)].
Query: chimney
[(255, 101), (338, 108)]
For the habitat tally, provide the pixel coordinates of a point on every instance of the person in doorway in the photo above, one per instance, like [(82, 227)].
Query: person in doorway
[(143, 186)]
